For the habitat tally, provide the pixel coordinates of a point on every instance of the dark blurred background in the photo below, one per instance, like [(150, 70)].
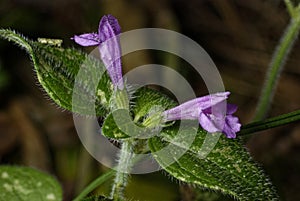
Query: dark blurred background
[(239, 35)]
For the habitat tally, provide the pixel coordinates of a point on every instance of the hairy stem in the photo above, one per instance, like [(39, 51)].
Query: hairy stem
[(125, 163), (270, 123), (278, 60)]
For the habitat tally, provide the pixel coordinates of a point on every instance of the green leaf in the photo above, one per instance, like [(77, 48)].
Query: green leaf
[(57, 71), (27, 184), (96, 198), (227, 168)]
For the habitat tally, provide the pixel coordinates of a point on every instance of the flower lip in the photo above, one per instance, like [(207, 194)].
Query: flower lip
[(89, 39), (108, 28)]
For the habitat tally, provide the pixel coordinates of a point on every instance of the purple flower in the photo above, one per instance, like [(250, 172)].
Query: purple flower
[(108, 44), (212, 112)]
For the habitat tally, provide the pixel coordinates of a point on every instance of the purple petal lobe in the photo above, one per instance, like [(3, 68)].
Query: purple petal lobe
[(89, 39), (231, 127), (108, 27), (231, 108), (207, 124), (114, 24)]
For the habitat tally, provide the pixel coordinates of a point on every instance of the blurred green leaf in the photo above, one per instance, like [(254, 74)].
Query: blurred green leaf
[(27, 184)]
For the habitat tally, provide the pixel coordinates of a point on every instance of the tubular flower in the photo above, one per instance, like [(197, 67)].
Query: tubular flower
[(212, 112), (108, 43)]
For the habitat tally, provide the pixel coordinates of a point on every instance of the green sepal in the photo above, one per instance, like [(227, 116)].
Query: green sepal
[(27, 184), (111, 129), (146, 99), (119, 125)]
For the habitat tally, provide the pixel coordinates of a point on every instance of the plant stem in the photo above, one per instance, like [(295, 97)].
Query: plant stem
[(270, 123), (104, 177), (278, 60), (124, 166), (290, 8)]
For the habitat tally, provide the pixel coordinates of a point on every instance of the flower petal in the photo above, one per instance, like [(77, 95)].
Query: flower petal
[(108, 27), (231, 127), (88, 39), (191, 109), (180, 112), (211, 100), (207, 124), (110, 49), (231, 108), (114, 24)]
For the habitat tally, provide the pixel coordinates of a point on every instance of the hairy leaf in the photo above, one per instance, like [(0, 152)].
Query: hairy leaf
[(227, 168), (27, 184), (65, 73)]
